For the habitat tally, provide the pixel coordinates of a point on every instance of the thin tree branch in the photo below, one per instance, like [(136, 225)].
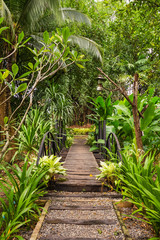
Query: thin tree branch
[(69, 64), (119, 88), (123, 92), (5, 87), (9, 54), (5, 100), (24, 97), (144, 109)]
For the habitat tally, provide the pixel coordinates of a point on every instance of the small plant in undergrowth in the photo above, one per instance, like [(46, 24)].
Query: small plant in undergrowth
[(69, 137), (54, 167), (91, 136), (108, 174), (21, 189), (69, 141), (110, 170)]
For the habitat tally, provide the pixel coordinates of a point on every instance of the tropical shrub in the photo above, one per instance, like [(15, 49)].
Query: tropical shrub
[(54, 167), (102, 107), (21, 188), (120, 118), (141, 185), (108, 173)]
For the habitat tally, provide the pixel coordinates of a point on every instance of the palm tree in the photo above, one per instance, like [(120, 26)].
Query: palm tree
[(33, 16), (38, 15)]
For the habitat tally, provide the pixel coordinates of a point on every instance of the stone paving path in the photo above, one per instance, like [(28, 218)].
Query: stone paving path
[(81, 211)]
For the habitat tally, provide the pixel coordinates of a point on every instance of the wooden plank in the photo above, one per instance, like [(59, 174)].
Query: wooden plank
[(82, 208), (86, 195), (80, 222), (52, 237)]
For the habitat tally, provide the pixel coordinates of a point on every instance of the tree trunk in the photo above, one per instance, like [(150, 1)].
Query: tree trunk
[(138, 131)]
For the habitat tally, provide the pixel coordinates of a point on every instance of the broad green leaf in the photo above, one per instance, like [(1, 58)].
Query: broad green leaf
[(20, 37), (148, 116), (100, 101), (30, 65), (1, 76), (25, 74), (46, 37), (5, 120), (1, 20), (5, 74), (21, 88), (155, 128), (2, 29), (79, 65), (59, 38), (66, 52), (66, 34), (75, 54), (6, 40), (15, 69), (124, 109), (93, 148), (101, 141), (26, 41)]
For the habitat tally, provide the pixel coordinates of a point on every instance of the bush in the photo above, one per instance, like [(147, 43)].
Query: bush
[(109, 173), (54, 167), (141, 185), (82, 131)]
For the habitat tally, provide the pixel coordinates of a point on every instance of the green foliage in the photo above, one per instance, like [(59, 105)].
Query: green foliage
[(141, 185), (54, 167), (69, 141), (82, 131), (21, 187), (102, 107), (108, 169), (90, 139), (109, 172), (32, 131), (58, 104)]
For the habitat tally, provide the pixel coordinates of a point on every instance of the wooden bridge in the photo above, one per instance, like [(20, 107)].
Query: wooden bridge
[(78, 210)]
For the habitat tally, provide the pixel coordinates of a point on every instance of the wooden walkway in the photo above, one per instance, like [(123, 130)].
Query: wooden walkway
[(80, 211), (81, 168)]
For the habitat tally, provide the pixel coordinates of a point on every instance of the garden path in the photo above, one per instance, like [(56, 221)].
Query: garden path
[(80, 211)]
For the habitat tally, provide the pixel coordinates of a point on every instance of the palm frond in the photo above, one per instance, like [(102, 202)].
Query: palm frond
[(34, 8), (6, 14), (74, 15), (87, 44)]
